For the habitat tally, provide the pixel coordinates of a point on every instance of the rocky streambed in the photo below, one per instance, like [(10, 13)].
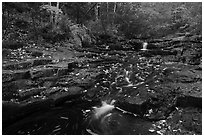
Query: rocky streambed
[(52, 90)]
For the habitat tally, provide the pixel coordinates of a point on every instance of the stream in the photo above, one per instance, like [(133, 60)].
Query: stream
[(135, 81)]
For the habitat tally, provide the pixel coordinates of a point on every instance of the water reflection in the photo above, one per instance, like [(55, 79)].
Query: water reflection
[(118, 122)]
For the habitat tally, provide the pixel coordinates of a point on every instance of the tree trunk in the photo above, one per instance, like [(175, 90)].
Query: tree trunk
[(115, 6), (107, 11), (51, 16), (7, 22), (114, 11), (78, 6), (57, 15), (97, 11), (90, 9), (34, 25)]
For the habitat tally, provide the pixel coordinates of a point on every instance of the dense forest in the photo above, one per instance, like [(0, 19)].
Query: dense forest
[(102, 68), (56, 22)]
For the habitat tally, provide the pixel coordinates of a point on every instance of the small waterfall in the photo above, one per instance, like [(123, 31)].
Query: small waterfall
[(111, 120), (98, 119), (104, 109), (144, 46)]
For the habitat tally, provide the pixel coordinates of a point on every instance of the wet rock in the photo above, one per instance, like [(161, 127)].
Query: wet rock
[(13, 44), (186, 76), (191, 89), (135, 105), (20, 65), (83, 78), (75, 90), (65, 82), (10, 90), (43, 72), (116, 46), (189, 101), (91, 55), (199, 67), (72, 66), (191, 120), (150, 53), (185, 121), (26, 64), (66, 94), (62, 72), (47, 81), (35, 52), (6, 53), (11, 95), (153, 46), (13, 112), (61, 68), (48, 84), (91, 93), (136, 44), (8, 75), (86, 84), (192, 54), (42, 61), (106, 60), (27, 93), (162, 101), (50, 91), (96, 94)]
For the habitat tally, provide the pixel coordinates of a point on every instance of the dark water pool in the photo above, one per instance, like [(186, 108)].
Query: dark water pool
[(119, 122), (76, 120)]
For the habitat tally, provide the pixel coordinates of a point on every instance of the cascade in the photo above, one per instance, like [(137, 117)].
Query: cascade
[(104, 109), (144, 46)]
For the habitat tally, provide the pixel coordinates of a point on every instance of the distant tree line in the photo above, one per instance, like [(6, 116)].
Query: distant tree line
[(60, 20)]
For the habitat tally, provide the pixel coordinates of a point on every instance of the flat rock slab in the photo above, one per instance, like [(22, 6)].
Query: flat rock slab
[(184, 121), (26, 64), (84, 78), (13, 112), (32, 92), (35, 52), (189, 101), (12, 75), (158, 52), (43, 72), (13, 44), (11, 90), (33, 73), (18, 65), (66, 94), (191, 89), (186, 76), (135, 105)]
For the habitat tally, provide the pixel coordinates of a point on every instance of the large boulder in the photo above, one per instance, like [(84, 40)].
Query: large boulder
[(66, 94), (136, 105)]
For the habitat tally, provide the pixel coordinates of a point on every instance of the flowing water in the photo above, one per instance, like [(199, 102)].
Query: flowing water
[(65, 120), (144, 46), (117, 122), (93, 118)]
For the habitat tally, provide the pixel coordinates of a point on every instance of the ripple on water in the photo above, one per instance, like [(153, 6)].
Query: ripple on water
[(119, 123), (59, 121)]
